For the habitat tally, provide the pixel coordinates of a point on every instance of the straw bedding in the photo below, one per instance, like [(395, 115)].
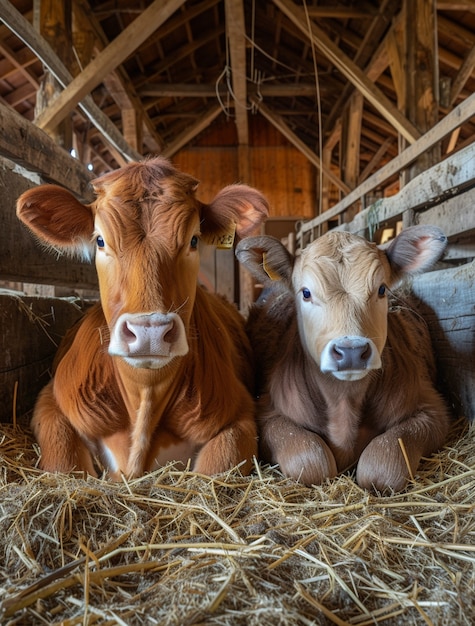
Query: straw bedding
[(179, 548)]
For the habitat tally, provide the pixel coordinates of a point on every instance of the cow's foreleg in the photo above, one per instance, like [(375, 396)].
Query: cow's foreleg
[(234, 444), (62, 448), (392, 458), (300, 453)]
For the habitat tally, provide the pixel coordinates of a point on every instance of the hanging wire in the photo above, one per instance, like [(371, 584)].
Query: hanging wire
[(319, 111), (224, 108)]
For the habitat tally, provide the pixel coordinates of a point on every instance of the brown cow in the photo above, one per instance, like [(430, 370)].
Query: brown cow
[(160, 369), (342, 381)]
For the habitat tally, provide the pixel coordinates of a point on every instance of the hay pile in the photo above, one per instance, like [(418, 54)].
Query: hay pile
[(179, 548)]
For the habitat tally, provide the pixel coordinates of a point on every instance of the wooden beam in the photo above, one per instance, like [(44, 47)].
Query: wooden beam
[(463, 75), (342, 13), (421, 77), (118, 83), (110, 58), (350, 70), (202, 90), (191, 132), (375, 160), (22, 142), (353, 138), (452, 120), (25, 31), (236, 30), (279, 123), (456, 5)]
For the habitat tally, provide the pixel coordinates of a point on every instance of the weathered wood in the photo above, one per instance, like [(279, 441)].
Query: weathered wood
[(440, 182), (21, 258), (421, 77), (235, 30), (456, 217), (24, 30), (107, 60), (454, 119), (22, 142), (31, 330), (448, 305), (350, 70)]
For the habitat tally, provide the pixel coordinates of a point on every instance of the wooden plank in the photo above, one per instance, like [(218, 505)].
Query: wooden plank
[(456, 216), (22, 259), (278, 122), (350, 70), (33, 149), (32, 328), (440, 182), (446, 302), (450, 122), (107, 60)]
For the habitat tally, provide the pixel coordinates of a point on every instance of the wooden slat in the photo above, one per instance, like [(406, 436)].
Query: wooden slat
[(432, 187), (447, 306), (453, 120), (350, 70), (110, 58)]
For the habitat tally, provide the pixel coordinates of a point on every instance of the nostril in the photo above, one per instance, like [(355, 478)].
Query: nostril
[(338, 353), (366, 353), (127, 332), (170, 336)]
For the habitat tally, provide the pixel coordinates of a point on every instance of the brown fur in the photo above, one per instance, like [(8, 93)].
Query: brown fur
[(99, 404), (313, 424)]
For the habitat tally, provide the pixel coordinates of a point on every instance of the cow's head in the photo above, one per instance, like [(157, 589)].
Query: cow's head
[(340, 284), (145, 227)]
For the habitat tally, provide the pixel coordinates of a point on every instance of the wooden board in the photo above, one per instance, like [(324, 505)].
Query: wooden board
[(31, 328), (448, 303), (22, 259)]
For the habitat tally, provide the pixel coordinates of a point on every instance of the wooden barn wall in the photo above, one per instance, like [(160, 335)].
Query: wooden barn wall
[(22, 259), (277, 169)]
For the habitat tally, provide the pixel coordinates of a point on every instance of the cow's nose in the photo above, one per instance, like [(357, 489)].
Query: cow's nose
[(351, 354), (148, 340), (147, 336)]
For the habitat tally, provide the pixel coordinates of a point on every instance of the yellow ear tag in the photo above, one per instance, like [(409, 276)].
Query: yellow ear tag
[(226, 240), (270, 273)]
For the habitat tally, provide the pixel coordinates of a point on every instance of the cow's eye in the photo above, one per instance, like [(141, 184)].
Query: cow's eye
[(306, 294), (382, 291), (100, 242), (194, 242)]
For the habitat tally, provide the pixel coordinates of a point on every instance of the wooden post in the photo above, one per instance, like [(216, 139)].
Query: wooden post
[(420, 92), (53, 19)]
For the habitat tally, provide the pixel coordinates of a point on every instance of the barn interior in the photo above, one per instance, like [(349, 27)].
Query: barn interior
[(349, 115)]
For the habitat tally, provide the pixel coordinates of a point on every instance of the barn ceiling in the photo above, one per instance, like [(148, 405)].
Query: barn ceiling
[(138, 77)]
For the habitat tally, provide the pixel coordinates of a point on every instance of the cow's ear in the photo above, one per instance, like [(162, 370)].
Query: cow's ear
[(266, 258), (415, 250), (236, 208), (57, 219)]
